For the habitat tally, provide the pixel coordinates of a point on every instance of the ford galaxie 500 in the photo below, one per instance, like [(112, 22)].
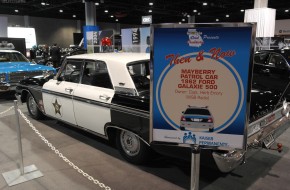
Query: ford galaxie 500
[(108, 94)]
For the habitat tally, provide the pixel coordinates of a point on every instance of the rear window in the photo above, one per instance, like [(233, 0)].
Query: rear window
[(140, 74), (197, 111)]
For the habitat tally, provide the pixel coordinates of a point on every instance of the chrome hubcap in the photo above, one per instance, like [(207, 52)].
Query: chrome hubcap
[(130, 143), (32, 106)]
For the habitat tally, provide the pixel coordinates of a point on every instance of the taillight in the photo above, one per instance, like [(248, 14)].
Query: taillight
[(183, 118), (210, 120)]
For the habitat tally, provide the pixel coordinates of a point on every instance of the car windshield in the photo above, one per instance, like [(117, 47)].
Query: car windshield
[(12, 57), (140, 74), (197, 111)]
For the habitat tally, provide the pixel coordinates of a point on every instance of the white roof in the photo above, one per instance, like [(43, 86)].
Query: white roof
[(122, 58), (9, 51), (116, 65)]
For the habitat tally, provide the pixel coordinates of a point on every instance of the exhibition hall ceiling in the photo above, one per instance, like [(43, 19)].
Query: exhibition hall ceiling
[(130, 11)]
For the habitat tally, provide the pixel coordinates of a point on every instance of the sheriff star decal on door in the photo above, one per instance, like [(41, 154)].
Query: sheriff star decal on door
[(57, 107)]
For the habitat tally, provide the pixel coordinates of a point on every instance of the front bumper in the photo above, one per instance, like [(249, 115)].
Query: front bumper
[(4, 87)]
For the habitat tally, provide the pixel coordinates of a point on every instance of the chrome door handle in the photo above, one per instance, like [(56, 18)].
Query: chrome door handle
[(104, 97), (69, 90)]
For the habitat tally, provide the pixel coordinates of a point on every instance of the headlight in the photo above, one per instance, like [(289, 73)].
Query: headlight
[(2, 77)]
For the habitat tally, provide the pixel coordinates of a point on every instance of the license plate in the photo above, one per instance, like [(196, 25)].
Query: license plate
[(268, 141)]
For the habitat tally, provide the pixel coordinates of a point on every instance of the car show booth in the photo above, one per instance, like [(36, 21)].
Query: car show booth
[(151, 106)]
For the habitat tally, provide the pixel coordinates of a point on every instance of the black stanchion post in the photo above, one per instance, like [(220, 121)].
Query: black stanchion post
[(195, 166)]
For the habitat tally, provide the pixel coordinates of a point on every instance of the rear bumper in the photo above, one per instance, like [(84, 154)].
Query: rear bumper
[(229, 160)]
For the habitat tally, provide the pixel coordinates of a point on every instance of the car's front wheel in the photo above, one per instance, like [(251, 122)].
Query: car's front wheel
[(132, 148), (33, 110)]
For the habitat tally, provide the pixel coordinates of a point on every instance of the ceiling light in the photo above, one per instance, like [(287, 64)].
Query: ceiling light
[(188, 16), (117, 20), (287, 11), (150, 11), (179, 23), (106, 11), (227, 16), (198, 13), (204, 3), (217, 19), (97, 4), (42, 3), (183, 20), (60, 11), (46, 4), (74, 16), (194, 10), (242, 10), (112, 16), (16, 10), (150, 3)]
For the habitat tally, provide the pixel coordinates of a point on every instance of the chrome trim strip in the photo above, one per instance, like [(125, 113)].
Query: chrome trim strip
[(129, 110), (93, 102), (56, 93), (77, 98)]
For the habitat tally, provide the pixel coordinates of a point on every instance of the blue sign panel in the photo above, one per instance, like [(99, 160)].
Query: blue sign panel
[(200, 84)]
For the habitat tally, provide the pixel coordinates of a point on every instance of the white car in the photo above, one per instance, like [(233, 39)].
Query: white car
[(108, 94)]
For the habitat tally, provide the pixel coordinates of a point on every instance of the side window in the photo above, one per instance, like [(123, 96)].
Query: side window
[(71, 71), (96, 74), (261, 58), (278, 61)]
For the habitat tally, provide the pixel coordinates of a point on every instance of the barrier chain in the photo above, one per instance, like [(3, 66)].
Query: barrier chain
[(61, 155), (7, 110)]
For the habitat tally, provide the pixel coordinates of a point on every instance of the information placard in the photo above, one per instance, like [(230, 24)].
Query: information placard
[(201, 80)]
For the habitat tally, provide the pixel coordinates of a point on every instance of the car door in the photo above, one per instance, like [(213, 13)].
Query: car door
[(280, 72), (58, 94), (271, 70), (92, 98)]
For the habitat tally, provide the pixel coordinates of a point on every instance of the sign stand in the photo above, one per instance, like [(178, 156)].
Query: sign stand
[(22, 174), (195, 166)]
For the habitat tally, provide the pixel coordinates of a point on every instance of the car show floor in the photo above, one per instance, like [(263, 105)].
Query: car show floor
[(265, 170)]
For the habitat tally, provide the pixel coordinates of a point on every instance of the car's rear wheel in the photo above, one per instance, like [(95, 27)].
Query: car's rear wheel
[(132, 148), (33, 110)]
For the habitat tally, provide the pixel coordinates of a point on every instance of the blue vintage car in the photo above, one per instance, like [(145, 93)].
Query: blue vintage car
[(14, 67)]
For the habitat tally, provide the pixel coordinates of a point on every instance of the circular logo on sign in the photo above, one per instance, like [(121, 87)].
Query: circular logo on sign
[(209, 83)]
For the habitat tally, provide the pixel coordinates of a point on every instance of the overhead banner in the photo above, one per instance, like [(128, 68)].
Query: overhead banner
[(201, 80)]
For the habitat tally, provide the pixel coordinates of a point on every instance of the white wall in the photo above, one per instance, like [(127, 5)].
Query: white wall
[(3, 26)]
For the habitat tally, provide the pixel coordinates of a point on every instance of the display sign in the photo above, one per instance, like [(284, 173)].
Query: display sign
[(135, 39), (20, 32), (135, 36), (201, 76), (147, 19)]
